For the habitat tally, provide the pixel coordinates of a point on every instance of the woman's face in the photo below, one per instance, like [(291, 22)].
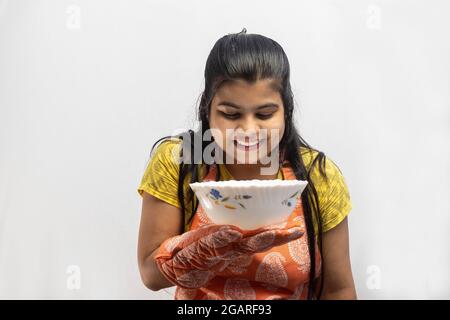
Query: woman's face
[(249, 119)]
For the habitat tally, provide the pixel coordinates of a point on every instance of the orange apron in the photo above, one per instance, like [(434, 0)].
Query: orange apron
[(279, 273)]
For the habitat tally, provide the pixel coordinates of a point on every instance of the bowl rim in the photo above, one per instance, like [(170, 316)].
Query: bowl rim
[(253, 183)]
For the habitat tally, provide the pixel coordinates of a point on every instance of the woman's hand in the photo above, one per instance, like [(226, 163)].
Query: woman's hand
[(265, 238), (192, 259)]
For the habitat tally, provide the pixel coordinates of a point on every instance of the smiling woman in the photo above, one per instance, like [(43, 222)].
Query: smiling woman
[(247, 92), (248, 109)]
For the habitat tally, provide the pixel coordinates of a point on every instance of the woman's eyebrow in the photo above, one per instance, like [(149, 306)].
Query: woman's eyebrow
[(233, 105)]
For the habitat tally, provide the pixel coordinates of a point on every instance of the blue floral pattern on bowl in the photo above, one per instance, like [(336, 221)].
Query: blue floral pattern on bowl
[(229, 202), (291, 201)]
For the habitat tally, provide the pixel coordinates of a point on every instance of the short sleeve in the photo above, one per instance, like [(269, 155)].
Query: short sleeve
[(160, 178), (334, 198)]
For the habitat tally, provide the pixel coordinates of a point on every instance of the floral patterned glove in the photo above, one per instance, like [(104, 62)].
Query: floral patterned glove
[(192, 259)]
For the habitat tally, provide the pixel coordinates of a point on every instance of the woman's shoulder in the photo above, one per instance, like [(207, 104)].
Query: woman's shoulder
[(308, 155), (331, 188), (323, 164), (169, 143), (160, 177), (163, 163), (168, 151)]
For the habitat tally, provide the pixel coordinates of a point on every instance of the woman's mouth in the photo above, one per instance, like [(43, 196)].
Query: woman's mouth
[(247, 146)]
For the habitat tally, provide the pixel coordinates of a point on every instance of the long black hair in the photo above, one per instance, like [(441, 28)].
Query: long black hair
[(255, 57)]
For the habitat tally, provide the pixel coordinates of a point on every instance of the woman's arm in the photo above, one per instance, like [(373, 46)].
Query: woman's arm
[(337, 272), (159, 221)]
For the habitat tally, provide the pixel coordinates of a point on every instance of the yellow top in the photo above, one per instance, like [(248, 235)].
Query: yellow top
[(160, 179)]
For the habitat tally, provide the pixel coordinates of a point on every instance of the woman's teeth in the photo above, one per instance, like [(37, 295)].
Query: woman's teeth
[(245, 144)]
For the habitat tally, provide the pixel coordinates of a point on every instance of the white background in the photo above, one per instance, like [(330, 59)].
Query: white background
[(86, 87)]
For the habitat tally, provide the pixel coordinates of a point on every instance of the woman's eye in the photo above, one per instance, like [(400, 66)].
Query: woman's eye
[(236, 115), (230, 115), (265, 116)]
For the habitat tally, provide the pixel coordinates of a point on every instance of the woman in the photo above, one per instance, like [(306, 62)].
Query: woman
[(247, 89)]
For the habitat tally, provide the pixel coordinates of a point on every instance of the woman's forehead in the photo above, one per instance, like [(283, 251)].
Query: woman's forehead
[(246, 94)]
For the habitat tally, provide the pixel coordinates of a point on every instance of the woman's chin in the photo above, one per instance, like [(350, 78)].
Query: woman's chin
[(235, 155), (248, 158)]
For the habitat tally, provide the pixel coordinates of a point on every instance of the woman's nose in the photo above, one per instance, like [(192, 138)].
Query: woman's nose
[(249, 128)]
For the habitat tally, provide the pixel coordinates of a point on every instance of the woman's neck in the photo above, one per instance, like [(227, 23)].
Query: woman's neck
[(250, 171)]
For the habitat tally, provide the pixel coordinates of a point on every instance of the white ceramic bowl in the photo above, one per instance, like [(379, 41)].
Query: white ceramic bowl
[(249, 204)]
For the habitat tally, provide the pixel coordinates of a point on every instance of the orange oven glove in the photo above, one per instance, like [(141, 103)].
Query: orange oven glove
[(192, 259)]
